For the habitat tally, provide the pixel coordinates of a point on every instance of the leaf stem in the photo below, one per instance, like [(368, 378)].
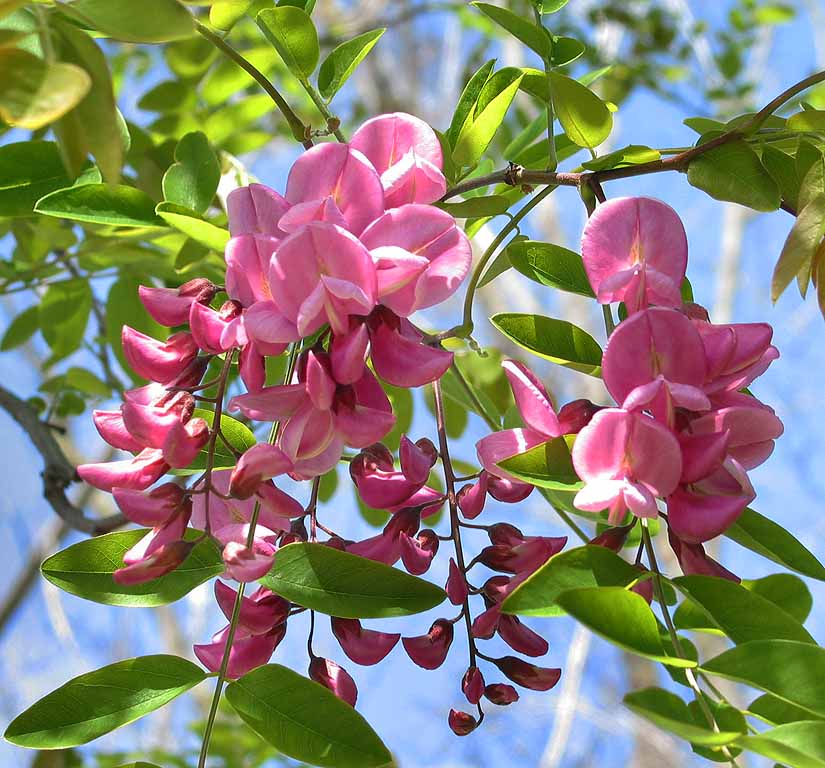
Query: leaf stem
[(332, 121)]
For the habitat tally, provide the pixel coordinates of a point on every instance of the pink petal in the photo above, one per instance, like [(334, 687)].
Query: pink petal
[(348, 352), (404, 362), (520, 637), (456, 586), (165, 305), (184, 442), (152, 508), (247, 267), (532, 400), (270, 403), (247, 564), (113, 430), (261, 462), (265, 323), (430, 651), (155, 360), (505, 444), (386, 138), (333, 676), (246, 654), (137, 473), (363, 646), (255, 209)]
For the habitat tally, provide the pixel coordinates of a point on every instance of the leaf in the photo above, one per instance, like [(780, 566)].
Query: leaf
[(787, 591), (305, 720), (775, 711), (63, 316), (742, 614), (790, 670), (467, 100), (114, 204), (98, 702), (734, 173), (187, 221), (782, 169), (546, 466), (343, 60), (29, 170), (491, 205), (530, 34), (566, 50), (551, 6), (667, 711), (588, 566), (800, 245), (95, 118), (765, 537), (478, 130), (812, 120), (352, 587), (224, 13), (193, 180), (632, 154), (237, 434), (583, 115), (622, 617), (149, 21), (550, 265), (21, 329), (556, 340), (85, 569), (801, 745), (293, 35), (34, 93)]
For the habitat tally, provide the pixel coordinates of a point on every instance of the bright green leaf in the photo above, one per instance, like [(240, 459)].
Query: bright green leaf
[(812, 120), (114, 204), (21, 329), (531, 35), (633, 154), (800, 245), (801, 745), (98, 702), (566, 50), (777, 712), (304, 720), (341, 584), (583, 115), (546, 466), (192, 181), (550, 265), (192, 225), (467, 100), (787, 591), (149, 21), (491, 205), (224, 13), (293, 35), (29, 170), (64, 314), (343, 60)]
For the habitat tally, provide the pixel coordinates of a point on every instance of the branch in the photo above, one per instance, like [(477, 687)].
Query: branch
[(678, 162), (58, 472)]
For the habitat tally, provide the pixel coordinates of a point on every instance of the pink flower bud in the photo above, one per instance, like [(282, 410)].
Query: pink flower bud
[(152, 508), (693, 559), (528, 675), (485, 624), (261, 612), (247, 564), (252, 367), (259, 463), (501, 694), (429, 651), (520, 637), (496, 588), (170, 306), (612, 538), (363, 646), (472, 496), (348, 352), (160, 361), (472, 684), (505, 534), (112, 429), (456, 586), (576, 415), (216, 331), (162, 561), (417, 552), (417, 458), (461, 723), (645, 587), (246, 654), (137, 473), (184, 442), (508, 490), (336, 678)]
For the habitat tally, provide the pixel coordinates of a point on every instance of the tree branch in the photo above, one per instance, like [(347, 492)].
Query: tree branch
[(58, 472)]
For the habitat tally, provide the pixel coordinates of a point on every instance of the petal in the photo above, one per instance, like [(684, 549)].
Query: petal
[(363, 646), (255, 209), (503, 445), (137, 473), (385, 139), (532, 400), (348, 353), (405, 362), (247, 267), (112, 429)]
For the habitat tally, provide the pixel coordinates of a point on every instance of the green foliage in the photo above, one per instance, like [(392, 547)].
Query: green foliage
[(548, 465), (550, 265), (583, 115), (293, 35), (150, 21), (532, 36), (191, 182), (63, 314), (352, 587), (85, 569), (305, 720), (344, 59), (118, 205), (28, 171), (98, 702), (801, 744)]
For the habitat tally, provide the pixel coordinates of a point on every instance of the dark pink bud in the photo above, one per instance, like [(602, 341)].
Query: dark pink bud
[(417, 458), (485, 624), (520, 637), (260, 462), (496, 588), (289, 537), (472, 684), (152, 508), (404, 521), (613, 538), (336, 678), (162, 561), (461, 723), (695, 311), (429, 651), (215, 331), (160, 361), (508, 491), (192, 374), (501, 694), (528, 675), (363, 646), (693, 560), (645, 587), (472, 496), (417, 552), (456, 586), (576, 415), (505, 534), (200, 289)]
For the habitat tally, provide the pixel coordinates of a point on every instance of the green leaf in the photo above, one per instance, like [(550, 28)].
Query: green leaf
[(341, 584), (742, 614), (305, 720), (622, 617), (21, 329), (192, 225), (775, 711), (193, 180), (801, 745), (734, 173), (29, 170), (550, 265), (588, 566), (95, 119), (478, 129), (149, 21), (790, 670), (86, 382), (667, 711), (781, 167), (566, 50), (800, 245), (583, 115), (787, 591), (85, 569), (293, 35), (546, 466), (556, 340), (765, 537), (550, 6), (467, 100), (98, 702), (343, 60), (34, 93), (491, 205), (632, 154), (114, 204), (223, 14), (531, 35), (812, 120), (63, 316)]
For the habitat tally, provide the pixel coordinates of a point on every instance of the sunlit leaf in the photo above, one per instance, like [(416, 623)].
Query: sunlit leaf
[(343, 60)]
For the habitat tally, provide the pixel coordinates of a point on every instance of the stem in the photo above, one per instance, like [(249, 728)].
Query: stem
[(299, 131), (312, 508), (236, 609), (552, 160), (331, 120)]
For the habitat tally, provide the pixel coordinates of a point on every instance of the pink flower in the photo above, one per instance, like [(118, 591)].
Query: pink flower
[(155, 507), (363, 646), (456, 586), (336, 678), (693, 560), (258, 463), (472, 685), (407, 154), (626, 460), (137, 473), (635, 250), (170, 306), (380, 485), (520, 637), (501, 694), (255, 210), (461, 723), (429, 651), (528, 675), (161, 361), (247, 653)]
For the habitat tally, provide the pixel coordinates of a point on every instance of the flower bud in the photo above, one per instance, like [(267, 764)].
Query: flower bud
[(644, 587), (508, 491), (417, 553), (576, 415), (160, 361), (429, 651), (214, 331), (137, 473), (152, 508), (613, 538), (417, 458), (184, 442), (461, 723), (472, 684), (247, 564), (520, 637), (456, 586), (528, 675), (260, 462), (501, 694), (112, 429), (336, 678), (162, 561), (485, 624), (472, 496), (505, 534), (363, 646)]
